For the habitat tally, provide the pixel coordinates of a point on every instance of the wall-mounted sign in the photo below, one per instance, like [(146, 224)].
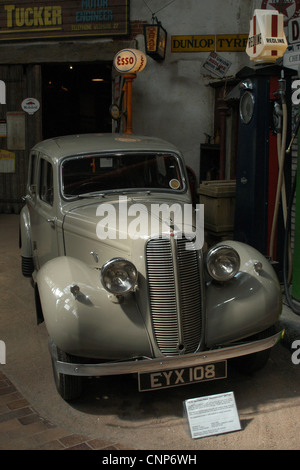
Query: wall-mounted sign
[(3, 128), (193, 43), (115, 111), (7, 162), (291, 57), (219, 43), (289, 8), (25, 19), (2, 92), (30, 105), (267, 41), (15, 130), (231, 42), (130, 61), (294, 30), (216, 64)]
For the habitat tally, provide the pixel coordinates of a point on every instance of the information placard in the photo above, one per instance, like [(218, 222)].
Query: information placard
[(211, 415)]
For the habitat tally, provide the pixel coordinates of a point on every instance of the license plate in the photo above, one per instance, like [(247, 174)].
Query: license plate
[(181, 376)]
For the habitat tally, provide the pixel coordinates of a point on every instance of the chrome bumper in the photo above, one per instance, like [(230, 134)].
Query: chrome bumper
[(164, 363)]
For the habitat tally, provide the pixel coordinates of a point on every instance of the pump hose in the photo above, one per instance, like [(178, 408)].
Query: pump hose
[(289, 298), (280, 179)]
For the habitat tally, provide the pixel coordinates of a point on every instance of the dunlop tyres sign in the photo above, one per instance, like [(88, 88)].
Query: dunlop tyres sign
[(210, 43)]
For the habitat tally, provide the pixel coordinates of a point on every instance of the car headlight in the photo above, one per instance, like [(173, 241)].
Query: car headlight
[(223, 262), (119, 276)]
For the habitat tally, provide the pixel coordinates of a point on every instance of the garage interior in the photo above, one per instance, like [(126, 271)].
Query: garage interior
[(76, 98)]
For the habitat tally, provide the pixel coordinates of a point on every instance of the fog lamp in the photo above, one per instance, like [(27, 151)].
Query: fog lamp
[(223, 262), (119, 276)]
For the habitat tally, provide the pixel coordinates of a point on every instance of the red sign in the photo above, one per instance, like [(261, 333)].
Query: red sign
[(289, 8)]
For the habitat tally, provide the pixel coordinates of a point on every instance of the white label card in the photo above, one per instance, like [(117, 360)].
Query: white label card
[(211, 415)]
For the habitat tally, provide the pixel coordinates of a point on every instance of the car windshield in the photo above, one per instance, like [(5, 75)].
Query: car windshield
[(121, 172)]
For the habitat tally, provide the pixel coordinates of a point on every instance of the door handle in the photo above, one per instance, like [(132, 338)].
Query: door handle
[(52, 222)]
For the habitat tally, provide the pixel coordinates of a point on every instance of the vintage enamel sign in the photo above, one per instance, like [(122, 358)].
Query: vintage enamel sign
[(30, 105), (266, 41)]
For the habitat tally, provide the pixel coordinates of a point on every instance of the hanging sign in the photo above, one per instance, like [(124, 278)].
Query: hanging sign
[(155, 41), (30, 105), (130, 61), (267, 41)]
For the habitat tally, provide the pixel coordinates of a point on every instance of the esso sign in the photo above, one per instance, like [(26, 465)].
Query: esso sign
[(130, 61)]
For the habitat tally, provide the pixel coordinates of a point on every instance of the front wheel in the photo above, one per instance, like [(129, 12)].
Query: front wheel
[(253, 362), (68, 386), (256, 361)]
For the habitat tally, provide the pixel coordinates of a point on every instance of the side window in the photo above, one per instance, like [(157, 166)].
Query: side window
[(46, 182), (31, 173)]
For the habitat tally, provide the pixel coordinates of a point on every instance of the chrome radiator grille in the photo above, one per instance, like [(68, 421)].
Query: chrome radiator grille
[(175, 295)]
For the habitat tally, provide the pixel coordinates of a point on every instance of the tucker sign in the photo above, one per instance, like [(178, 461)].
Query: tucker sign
[(29, 20)]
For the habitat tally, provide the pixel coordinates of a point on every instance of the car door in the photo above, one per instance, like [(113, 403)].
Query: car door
[(43, 214)]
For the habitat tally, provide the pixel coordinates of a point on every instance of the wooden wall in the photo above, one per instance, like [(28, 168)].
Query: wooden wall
[(22, 81)]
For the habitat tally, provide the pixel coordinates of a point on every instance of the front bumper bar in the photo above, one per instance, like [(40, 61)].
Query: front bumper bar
[(164, 363)]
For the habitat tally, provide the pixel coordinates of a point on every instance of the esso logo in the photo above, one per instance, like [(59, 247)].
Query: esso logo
[(130, 61)]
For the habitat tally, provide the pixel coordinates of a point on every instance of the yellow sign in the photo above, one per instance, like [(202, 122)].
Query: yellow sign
[(193, 43), (25, 19), (7, 161), (231, 42)]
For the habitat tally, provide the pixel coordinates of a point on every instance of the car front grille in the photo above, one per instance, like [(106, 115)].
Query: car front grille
[(175, 295)]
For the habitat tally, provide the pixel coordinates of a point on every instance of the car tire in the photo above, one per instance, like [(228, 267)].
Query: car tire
[(27, 266), (68, 386), (254, 362)]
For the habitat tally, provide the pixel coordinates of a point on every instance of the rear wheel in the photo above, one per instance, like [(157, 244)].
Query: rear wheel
[(68, 386)]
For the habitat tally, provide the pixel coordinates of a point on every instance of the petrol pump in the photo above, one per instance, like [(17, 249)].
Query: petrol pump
[(263, 196), (264, 130)]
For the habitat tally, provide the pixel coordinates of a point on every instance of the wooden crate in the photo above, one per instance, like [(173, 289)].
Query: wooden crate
[(218, 197)]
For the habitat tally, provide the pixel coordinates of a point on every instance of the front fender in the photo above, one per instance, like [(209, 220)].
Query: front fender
[(247, 304), (88, 323)]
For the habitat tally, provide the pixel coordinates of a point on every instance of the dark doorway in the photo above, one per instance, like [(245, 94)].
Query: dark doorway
[(76, 98)]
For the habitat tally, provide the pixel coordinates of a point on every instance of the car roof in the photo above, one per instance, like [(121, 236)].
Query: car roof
[(60, 147)]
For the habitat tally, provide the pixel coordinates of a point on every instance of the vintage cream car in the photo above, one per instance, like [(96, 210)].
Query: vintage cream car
[(123, 288)]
